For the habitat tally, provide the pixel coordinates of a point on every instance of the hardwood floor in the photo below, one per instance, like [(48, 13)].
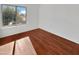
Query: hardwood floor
[(24, 46), (46, 43)]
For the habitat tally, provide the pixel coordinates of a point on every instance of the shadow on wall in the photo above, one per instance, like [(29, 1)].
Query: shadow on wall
[(0, 33)]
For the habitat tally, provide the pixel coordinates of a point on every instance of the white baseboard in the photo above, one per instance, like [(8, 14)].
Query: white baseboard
[(58, 34)]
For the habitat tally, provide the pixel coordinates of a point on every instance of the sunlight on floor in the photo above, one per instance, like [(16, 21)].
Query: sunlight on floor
[(6, 49), (23, 47)]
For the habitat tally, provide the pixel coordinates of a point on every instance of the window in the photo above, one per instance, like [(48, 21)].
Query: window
[(12, 15)]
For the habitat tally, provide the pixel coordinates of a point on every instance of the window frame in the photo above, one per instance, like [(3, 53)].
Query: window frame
[(15, 12)]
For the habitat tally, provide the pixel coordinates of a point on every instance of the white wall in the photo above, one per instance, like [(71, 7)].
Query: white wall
[(32, 22), (62, 20)]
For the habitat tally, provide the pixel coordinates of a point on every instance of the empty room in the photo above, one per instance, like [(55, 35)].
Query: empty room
[(39, 29)]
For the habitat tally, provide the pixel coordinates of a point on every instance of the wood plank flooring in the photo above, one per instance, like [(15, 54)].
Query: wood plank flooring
[(46, 43)]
